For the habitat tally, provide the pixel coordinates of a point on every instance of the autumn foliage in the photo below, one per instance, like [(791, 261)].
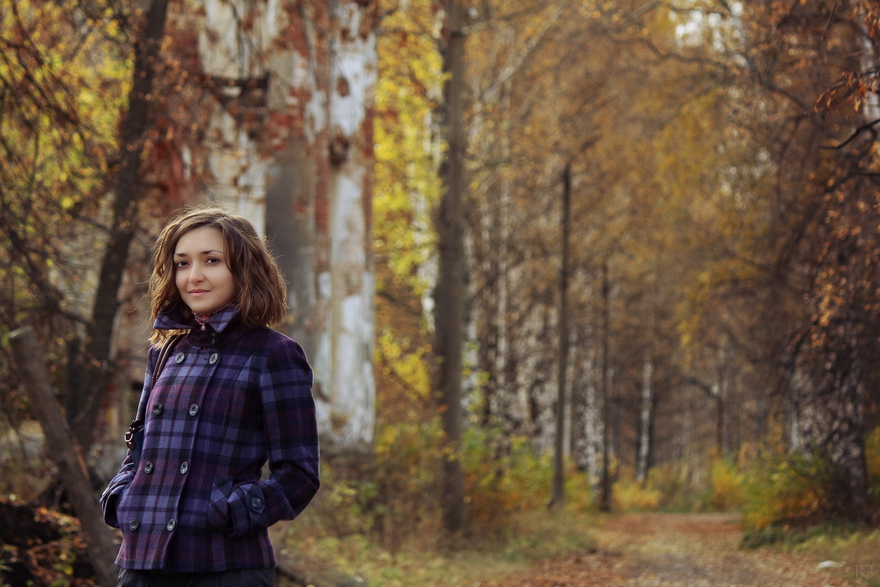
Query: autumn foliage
[(723, 285)]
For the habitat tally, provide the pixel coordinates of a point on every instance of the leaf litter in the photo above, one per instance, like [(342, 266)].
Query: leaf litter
[(678, 550)]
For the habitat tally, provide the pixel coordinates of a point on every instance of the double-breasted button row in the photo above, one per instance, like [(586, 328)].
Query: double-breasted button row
[(181, 357), (158, 408), (149, 467), (134, 524)]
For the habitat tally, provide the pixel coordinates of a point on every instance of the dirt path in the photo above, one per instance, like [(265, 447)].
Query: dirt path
[(673, 550)]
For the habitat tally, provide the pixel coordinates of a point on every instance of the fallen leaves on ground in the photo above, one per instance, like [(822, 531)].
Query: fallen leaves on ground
[(677, 550)]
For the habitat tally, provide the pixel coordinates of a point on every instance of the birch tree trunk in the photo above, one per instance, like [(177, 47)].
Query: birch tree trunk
[(831, 417), (645, 420), (290, 147), (593, 424), (351, 328)]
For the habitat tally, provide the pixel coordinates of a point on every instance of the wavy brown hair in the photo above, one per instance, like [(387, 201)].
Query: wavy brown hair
[(261, 289)]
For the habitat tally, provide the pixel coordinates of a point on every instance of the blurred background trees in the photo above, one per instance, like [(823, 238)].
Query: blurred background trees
[(713, 150), (722, 283)]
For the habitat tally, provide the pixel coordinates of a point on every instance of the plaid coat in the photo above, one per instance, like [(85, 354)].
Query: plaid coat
[(228, 399)]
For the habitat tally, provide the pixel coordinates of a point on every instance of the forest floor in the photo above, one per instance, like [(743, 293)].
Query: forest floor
[(694, 550)]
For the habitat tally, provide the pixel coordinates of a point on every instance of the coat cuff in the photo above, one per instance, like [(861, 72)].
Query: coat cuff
[(247, 510), (115, 490)]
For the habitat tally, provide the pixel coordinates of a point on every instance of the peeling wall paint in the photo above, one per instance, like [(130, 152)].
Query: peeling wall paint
[(352, 86), (288, 144)]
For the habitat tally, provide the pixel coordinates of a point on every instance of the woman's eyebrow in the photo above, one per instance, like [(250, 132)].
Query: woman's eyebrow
[(208, 252)]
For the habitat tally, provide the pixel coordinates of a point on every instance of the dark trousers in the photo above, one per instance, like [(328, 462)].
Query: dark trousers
[(235, 578)]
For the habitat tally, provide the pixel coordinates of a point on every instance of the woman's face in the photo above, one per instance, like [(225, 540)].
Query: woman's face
[(201, 274)]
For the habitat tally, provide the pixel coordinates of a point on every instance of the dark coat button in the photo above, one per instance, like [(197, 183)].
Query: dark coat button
[(214, 358), (179, 357), (171, 525), (157, 408), (148, 467), (256, 503), (184, 467), (133, 524), (194, 410)]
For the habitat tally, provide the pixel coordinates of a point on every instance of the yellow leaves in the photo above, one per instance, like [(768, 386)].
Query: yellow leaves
[(408, 366), (69, 90), (407, 185), (67, 202)]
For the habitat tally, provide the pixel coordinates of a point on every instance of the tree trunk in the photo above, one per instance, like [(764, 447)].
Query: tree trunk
[(605, 481), (645, 420), (558, 495), (127, 194), (593, 425), (66, 453), (449, 295), (351, 329), (577, 403), (832, 418)]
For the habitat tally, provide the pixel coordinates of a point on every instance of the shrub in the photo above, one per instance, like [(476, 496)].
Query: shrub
[(793, 490), (502, 481), (872, 457), (630, 494), (678, 491), (728, 485)]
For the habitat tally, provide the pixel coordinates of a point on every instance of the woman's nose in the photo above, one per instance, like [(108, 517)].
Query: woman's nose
[(196, 273)]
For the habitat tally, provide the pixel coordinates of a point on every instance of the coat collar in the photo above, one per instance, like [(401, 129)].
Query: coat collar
[(175, 319)]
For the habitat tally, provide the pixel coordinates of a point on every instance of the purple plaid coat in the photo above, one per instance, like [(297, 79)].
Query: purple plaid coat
[(229, 399)]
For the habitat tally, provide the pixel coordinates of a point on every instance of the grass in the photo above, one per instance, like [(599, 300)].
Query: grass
[(848, 549), (857, 550), (532, 536)]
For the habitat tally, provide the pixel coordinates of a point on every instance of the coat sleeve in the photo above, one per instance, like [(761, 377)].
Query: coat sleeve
[(291, 435), (120, 482), (115, 489)]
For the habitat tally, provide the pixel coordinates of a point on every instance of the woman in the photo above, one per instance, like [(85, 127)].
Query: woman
[(233, 395)]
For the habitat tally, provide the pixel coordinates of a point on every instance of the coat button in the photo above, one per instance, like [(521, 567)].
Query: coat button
[(179, 357), (171, 525), (256, 503), (214, 358), (157, 408), (133, 524), (194, 410), (184, 467), (148, 467)]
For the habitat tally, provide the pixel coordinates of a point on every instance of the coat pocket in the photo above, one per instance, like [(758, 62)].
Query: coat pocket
[(111, 497), (218, 505)]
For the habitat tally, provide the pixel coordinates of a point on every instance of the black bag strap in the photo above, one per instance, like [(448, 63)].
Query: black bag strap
[(164, 353), (137, 425), (166, 349)]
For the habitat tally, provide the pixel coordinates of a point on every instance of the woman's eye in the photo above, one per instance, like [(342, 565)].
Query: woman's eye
[(180, 264)]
